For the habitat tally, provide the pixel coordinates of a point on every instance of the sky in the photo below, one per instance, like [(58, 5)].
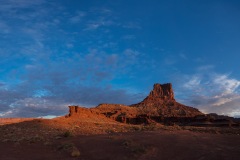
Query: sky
[(56, 53)]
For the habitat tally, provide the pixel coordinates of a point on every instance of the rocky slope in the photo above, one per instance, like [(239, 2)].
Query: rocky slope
[(161, 102)]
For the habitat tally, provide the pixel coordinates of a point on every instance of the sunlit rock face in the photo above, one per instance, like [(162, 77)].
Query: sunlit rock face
[(161, 92), (161, 102)]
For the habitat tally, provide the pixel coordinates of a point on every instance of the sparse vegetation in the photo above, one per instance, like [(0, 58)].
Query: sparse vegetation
[(150, 127), (136, 127), (35, 139), (70, 148), (65, 146), (67, 134), (135, 147)]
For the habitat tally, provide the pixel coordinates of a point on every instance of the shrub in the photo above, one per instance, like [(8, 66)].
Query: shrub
[(67, 134)]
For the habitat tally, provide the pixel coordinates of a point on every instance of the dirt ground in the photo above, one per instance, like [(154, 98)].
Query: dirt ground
[(140, 145)]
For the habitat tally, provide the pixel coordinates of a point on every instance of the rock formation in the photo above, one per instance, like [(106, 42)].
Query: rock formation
[(86, 115), (161, 92), (161, 102), (159, 106)]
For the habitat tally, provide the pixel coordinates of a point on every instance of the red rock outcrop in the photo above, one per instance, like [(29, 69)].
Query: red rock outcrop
[(159, 106), (161, 102), (161, 92), (118, 112), (86, 115)]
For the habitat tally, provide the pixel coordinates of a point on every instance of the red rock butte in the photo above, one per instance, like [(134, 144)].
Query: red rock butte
[(162, 92), (157, 106)]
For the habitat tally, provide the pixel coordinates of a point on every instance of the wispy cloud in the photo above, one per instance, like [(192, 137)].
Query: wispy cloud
[(101, 10), (103, 18), (132, 25), (4, 28), (193, 83), (129, 37), (49, 88), (226, 84), (212, 92), (183, 56), (170, 60), (62, 57), (78, 17), (12, 4), (206, 68), (101, 22)]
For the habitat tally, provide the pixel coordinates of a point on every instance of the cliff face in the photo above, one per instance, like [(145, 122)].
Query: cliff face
[(73, 110), (161, 102), (80, 114), (161, 92)]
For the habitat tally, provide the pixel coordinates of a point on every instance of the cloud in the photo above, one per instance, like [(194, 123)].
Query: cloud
[(78, 17), (227, 85), (52, 66), (129, 37), (212, 92), (132, 54), (101, 22), (101, 10), (103, 17), (63, 96), (194, 82), (4, 28), (48, 88), (183, 56), (170, 60), (35, 107), (12, 4), (132, 25), (27, 25), (206, 68)]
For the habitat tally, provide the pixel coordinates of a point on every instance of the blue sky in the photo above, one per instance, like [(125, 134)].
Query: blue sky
[(58, 53)]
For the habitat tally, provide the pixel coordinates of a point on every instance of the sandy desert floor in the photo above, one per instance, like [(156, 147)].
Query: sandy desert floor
[(29, 141)]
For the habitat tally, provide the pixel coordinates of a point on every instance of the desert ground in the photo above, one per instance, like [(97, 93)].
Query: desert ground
[(59, 139)]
